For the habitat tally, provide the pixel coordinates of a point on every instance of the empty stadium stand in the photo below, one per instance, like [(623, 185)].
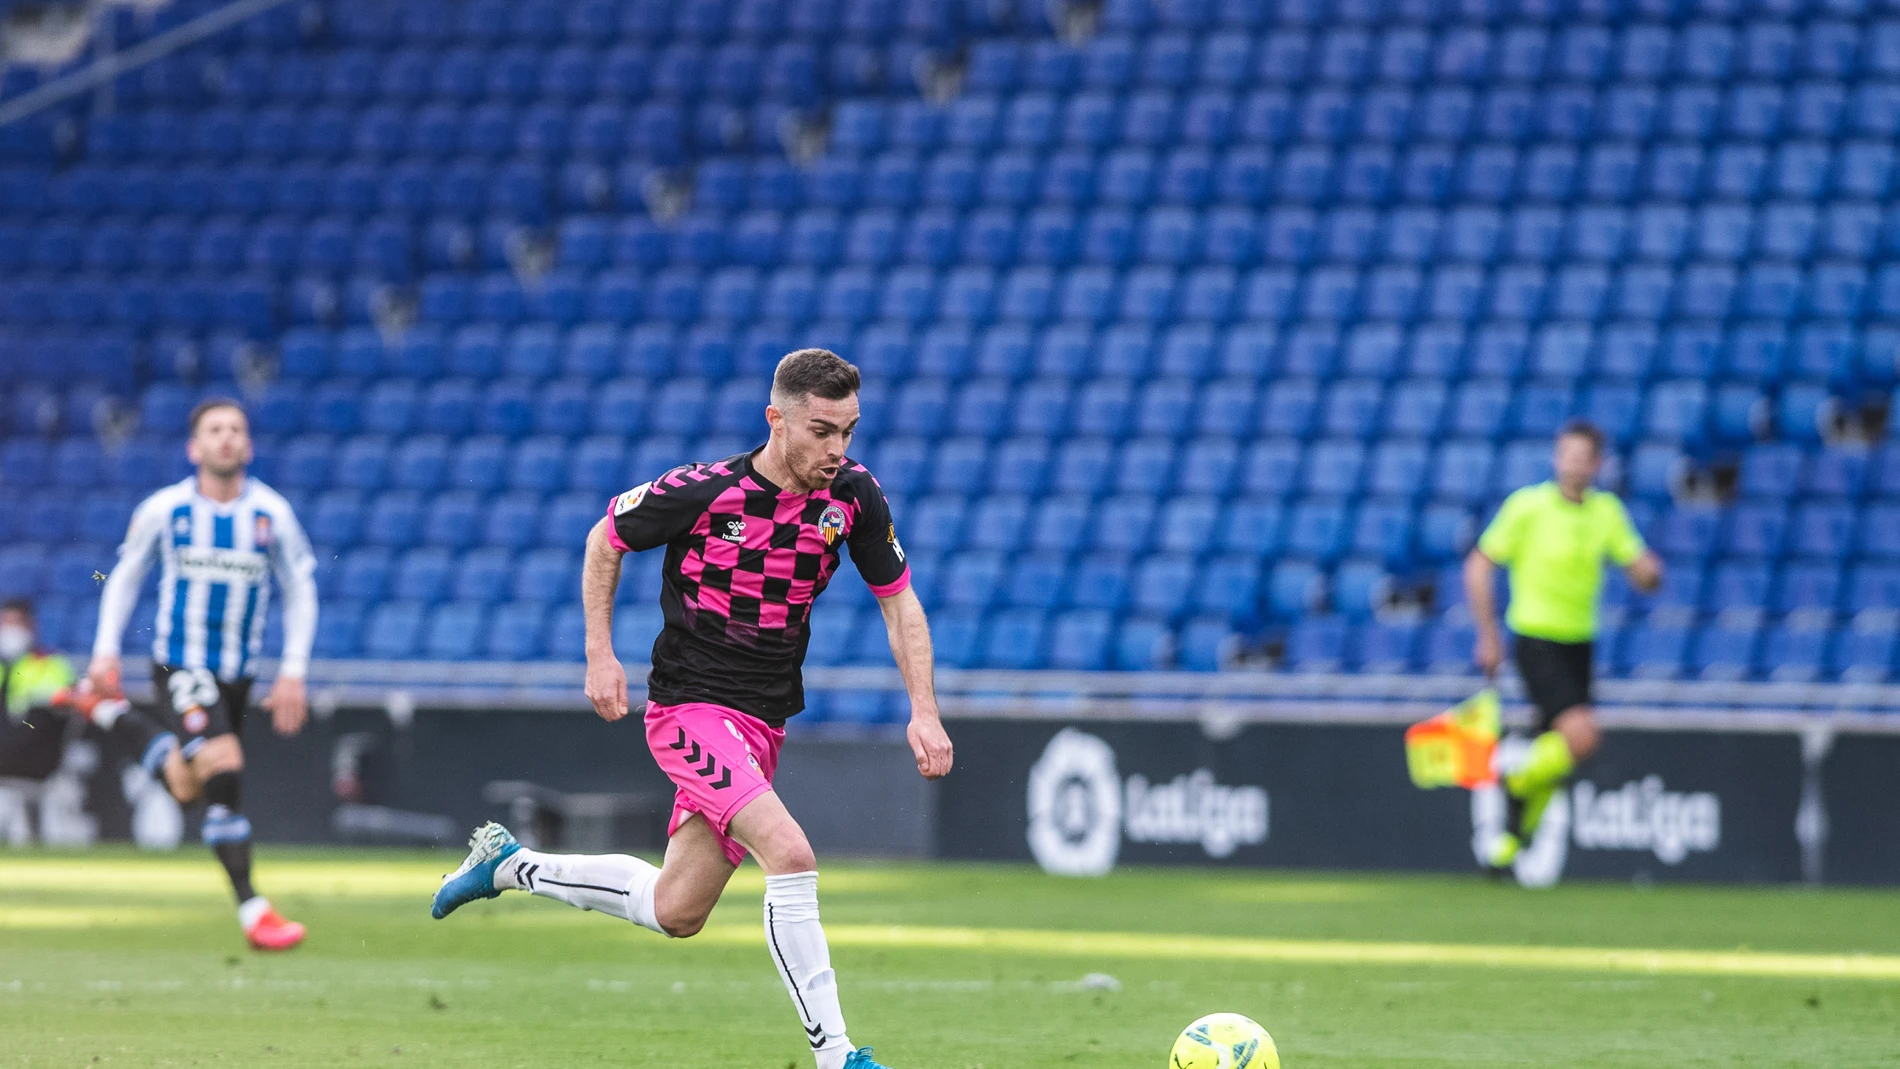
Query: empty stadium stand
[(1295, 291)]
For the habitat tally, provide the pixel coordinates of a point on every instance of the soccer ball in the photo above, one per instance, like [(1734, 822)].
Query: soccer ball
[(1224, 1041)]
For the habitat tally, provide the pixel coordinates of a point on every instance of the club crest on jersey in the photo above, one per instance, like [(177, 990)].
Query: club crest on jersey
[(831, 523), (261, 532), (734, 531), (630, 500), (181, 526)]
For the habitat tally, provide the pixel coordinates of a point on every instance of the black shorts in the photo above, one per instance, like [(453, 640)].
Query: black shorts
[(1557, 675), (30, 747), (197, 705)]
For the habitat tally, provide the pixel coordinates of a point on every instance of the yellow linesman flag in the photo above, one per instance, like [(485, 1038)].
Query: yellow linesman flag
[(1455, 748)]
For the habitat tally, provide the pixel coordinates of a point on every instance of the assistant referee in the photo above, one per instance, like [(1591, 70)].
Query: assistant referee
[(1554, 538)]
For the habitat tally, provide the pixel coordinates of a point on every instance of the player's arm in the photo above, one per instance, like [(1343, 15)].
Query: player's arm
[(649, 515), (296, 568), (606, 685), (1627, 548), (880, 560), (1497, 545), (121, 594), (1645, 572), (1481, 590), (910, 645)]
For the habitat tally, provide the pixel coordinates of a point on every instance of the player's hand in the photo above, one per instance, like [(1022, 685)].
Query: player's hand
[(1489, 652), (607, 687), (103, 672), (288, 705), (931, 745)]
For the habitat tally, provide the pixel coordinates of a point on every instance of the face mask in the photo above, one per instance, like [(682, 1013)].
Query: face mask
[(15, 642)]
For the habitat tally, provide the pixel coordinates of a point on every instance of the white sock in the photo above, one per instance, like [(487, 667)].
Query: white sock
[(797, 943), (251, 909), (616, 884)]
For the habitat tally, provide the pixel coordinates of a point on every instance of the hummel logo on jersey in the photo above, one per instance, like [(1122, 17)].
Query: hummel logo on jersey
[(734, 532)]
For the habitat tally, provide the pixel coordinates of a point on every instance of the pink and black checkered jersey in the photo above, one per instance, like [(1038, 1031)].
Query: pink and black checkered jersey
[(744, 562)]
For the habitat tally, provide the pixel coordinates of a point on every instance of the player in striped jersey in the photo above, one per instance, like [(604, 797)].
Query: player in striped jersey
[(218, 537)]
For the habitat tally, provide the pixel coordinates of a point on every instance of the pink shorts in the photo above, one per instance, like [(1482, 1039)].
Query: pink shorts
[(719, 758)]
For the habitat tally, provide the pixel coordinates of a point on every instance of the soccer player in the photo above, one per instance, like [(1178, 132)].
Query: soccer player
[(32, 727), (219, 536), (750, 542), (1554, 538)]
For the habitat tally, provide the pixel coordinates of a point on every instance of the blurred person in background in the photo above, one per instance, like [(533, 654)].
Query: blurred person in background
[(219, 535), (33, 731), (1553, 538)]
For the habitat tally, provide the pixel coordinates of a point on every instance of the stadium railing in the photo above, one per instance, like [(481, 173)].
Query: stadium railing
[(1243, 697)]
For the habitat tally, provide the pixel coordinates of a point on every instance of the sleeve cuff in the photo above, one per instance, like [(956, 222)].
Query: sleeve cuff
[(895, 586), (613, 531)]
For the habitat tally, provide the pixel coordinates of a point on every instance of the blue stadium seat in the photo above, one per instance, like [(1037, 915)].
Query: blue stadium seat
[(1823, 530), (394, 631), (1653, 652), (516, 632), (1460, 471), (1081, 640), (1864, 653), (1013, 639), (1188, 525), (1808, 586), (1794, 652), (1384, 647), (1724, 651), (1317, 644), (1293, 588), (1770, 471), (424, 575), (1836, 473)]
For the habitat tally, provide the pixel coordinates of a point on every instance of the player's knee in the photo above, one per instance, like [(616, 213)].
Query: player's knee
[(214, 756), (1580, 730), (680, 922), (787, 850), (185, 788)]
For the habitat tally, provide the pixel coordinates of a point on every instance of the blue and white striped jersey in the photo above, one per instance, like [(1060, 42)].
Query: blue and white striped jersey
[(214, 585)]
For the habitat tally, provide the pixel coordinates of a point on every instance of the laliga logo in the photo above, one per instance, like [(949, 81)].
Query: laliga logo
[(1075, 806), (1080, 809), (1641, 815), (1194, 809)]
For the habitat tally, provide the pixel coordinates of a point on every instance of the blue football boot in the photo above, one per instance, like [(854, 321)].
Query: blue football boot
[(487, 848), (861, 1059)]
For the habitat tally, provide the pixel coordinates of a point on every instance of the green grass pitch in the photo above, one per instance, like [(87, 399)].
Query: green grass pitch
[(117, 959)]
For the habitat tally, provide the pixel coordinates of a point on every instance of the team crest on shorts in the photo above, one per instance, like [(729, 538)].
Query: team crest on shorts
[(261, 532), (196, 719), (831, 523)]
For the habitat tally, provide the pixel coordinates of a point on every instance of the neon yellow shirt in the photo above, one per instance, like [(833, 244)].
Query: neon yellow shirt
[(31, 680), (1554, 549)]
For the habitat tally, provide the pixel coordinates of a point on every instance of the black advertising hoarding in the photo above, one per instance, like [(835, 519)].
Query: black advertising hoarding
[(1082, 796), (1860, 784)]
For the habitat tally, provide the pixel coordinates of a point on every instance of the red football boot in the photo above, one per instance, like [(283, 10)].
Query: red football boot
[(272, 932)]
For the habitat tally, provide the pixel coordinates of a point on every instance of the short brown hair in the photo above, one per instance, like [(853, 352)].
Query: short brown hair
[(1583, 428), (813, 373), (209, 404)]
